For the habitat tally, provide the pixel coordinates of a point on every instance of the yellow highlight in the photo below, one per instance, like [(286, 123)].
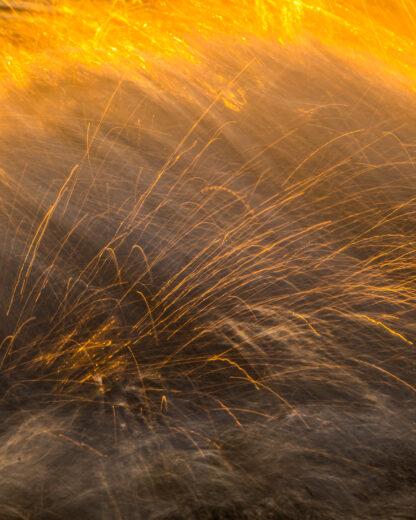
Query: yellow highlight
[(130, 34), (381, 324)]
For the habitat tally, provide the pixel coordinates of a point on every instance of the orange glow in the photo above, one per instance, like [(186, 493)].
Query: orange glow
[(129, 34)]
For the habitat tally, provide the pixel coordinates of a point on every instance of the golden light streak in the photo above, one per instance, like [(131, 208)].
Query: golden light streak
[(376, 322)]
